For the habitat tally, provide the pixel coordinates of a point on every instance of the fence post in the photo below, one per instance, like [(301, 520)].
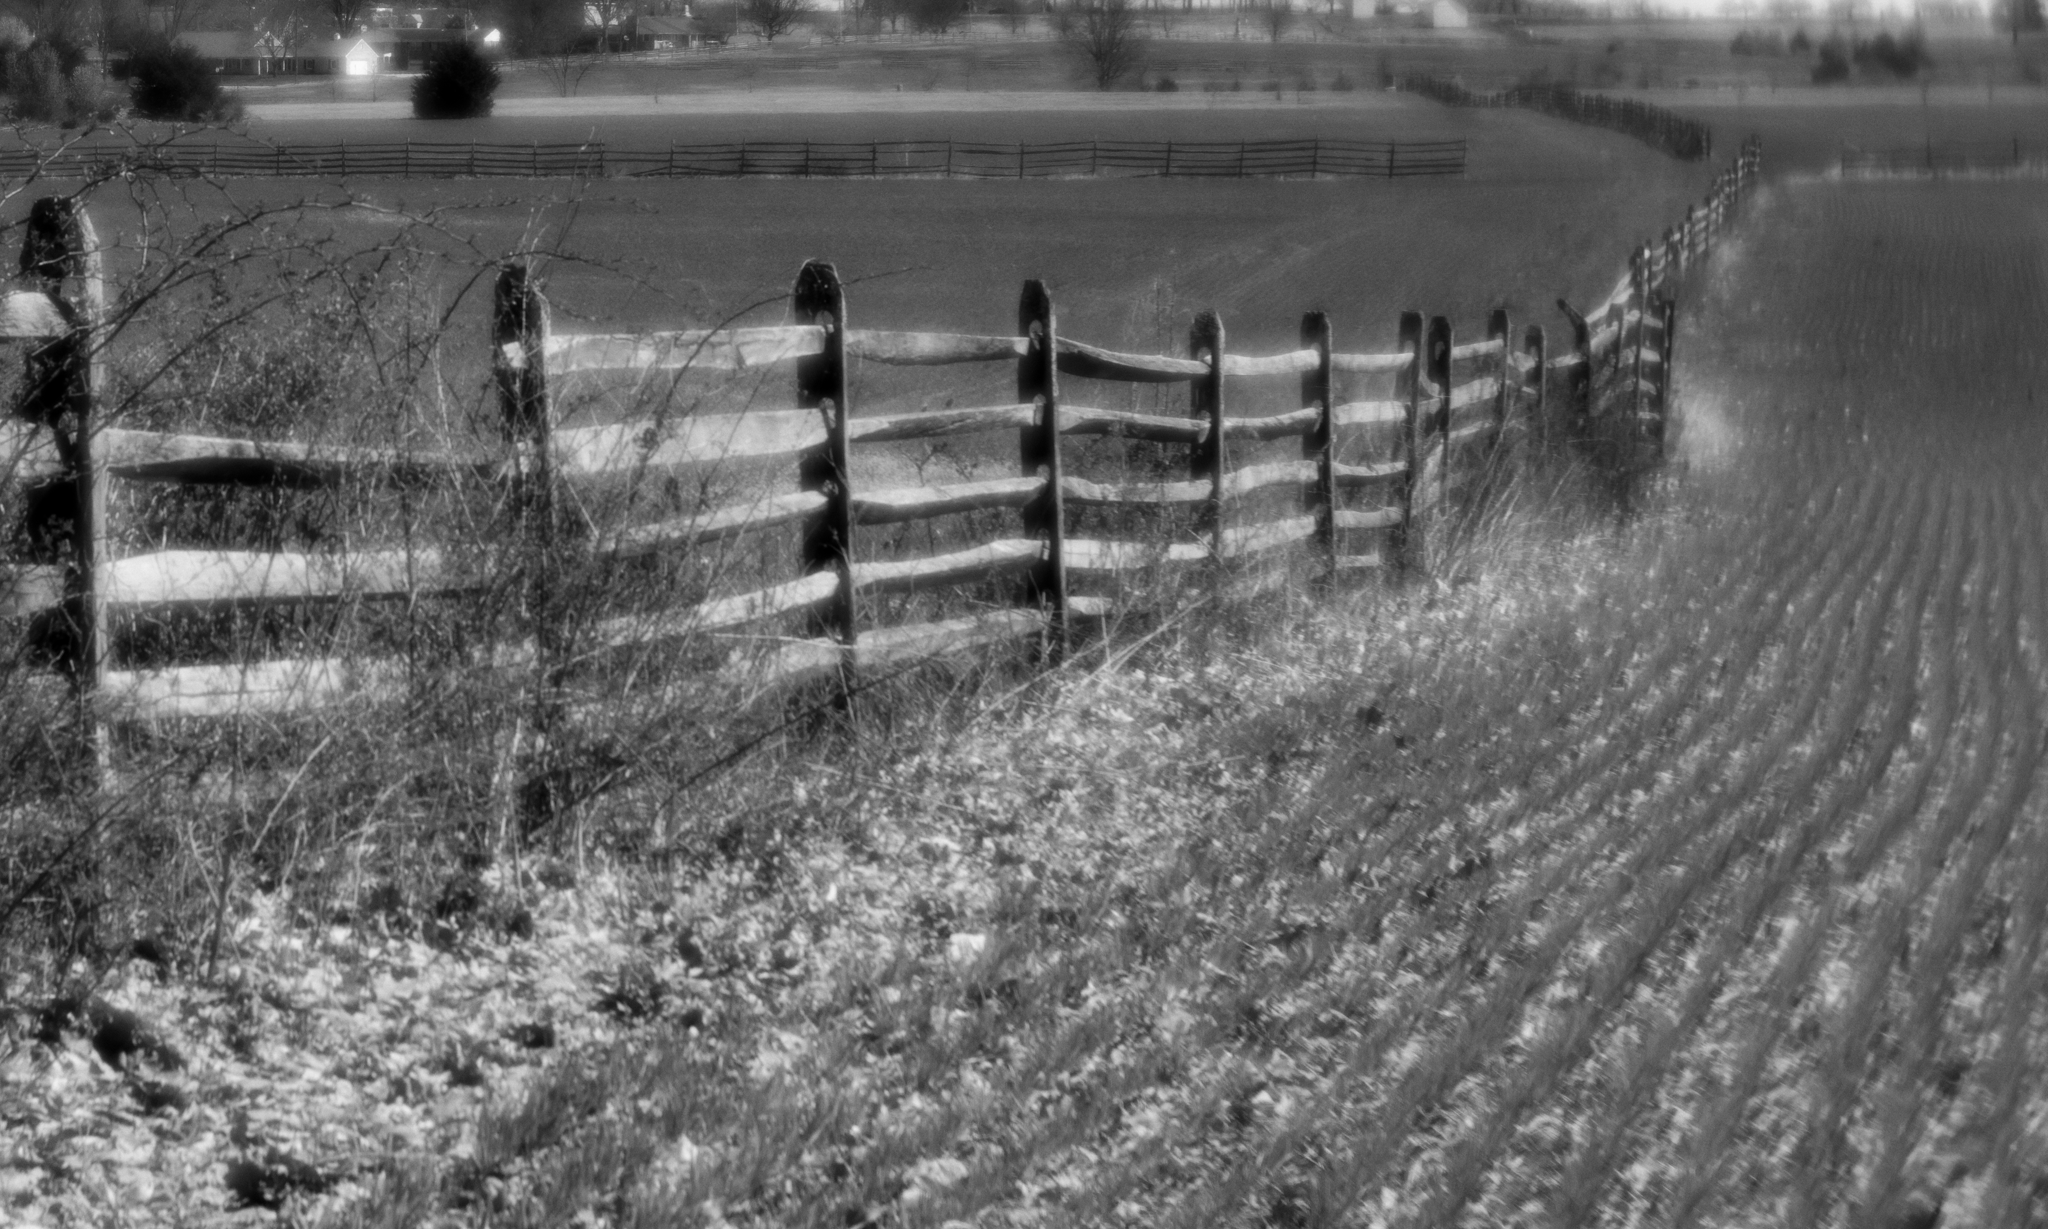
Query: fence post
[(1393, 156), (344, 156), (1582, 365), (1315, 159), (1503, 399), (949, 157), (519, 330), (1209, 459), (536, 159), (1038, 448), (819, 298), (62, 382), (1318, 390), (807, 160), (874, 159), (1095, 156), (1438, 370), (1414, 543), (1537, 383), (405, 171), (1639, 304), (1669, 315)]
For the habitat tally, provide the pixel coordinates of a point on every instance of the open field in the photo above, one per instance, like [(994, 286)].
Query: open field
[(1688, 873)]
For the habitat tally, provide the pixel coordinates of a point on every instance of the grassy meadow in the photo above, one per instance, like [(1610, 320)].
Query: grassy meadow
[(1676, 870)]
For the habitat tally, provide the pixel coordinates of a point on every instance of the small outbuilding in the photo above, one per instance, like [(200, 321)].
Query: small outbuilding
[(1446, 15), (340, 57)]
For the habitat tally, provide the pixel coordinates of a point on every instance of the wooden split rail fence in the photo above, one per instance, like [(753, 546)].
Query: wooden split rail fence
[(1667, 130), (1311, 158), (1947, 158), (1630, 334), (1387, 441)]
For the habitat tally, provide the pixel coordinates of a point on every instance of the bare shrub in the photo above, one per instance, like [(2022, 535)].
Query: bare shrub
[(1106, 34)]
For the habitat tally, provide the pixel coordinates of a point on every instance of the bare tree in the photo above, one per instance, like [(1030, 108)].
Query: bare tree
[(542, 27), (611, 15), (1278, 16), (773, 18), (1106, 32), (347, 15), (936, 16)]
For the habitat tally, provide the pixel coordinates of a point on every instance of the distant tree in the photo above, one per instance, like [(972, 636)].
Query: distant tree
[(1904, 56), (1106, 33), (167, 81), (1832, 62), (1277, 18), (1801, 42), (611, 15), (773, 18), (542, 27), (347, 15), (458, 84), (2016, 17), (936, 16)]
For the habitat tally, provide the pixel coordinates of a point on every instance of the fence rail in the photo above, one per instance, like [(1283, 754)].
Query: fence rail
[(1946, 158), (1669, 131), (1312, 158), (1392, 441)]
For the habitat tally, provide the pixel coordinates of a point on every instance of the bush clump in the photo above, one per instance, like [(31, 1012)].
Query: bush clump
[(1904, 56), (1166, 85), (457, 85), (51, 80), (1342, 82), (166, 81)]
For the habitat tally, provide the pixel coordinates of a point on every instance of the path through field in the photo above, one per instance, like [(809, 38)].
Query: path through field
[(1761, 937)]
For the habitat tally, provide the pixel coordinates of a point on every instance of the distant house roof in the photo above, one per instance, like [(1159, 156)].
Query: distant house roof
[(219, 44), (352, 48), (668, 27)]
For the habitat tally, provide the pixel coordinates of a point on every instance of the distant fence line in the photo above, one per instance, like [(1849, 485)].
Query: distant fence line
[(1388, 438), (1669, 131), (1947, 158), (1310, 158)]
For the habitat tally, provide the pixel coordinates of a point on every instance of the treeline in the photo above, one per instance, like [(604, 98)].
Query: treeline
[(1836, 59)]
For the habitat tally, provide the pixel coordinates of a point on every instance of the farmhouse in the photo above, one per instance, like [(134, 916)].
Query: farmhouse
[(241, 54), (339, 57), (650, 33)]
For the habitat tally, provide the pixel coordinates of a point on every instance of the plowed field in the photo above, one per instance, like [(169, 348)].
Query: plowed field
[(1758, 935), (1710, 894)]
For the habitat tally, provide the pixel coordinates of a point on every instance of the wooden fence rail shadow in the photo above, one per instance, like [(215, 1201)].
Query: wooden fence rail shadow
[(1388, 440)]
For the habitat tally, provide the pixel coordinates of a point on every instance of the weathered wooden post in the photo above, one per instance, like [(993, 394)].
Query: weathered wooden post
[(1320, 445), (821, 384), (1639, 308), (1415, 505), (1669, 315), (1581, 365), (1039, 456), (1503, 397), (519, 331), (1438, 372), (1209, 459), (1535, 381), (63, 380)]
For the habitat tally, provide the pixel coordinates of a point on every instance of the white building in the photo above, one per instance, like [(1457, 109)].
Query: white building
[(1446, 15)]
